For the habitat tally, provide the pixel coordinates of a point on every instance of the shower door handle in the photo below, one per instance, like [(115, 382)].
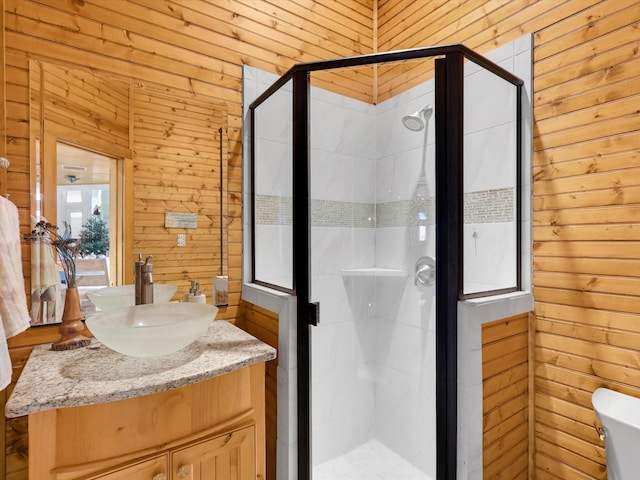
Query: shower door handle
[(313, 313)]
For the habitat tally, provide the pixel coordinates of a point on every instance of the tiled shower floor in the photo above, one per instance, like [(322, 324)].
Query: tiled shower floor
[(370, 461)]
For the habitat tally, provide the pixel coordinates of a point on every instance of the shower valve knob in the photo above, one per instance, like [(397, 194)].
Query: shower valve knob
[(425, 274)]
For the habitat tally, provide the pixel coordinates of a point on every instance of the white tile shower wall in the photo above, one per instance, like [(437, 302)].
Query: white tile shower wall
[(274, 143), (341, 172), (273, 177), (405, 351), (342, 165), (274, 263), (341, 126), (273, 171), (254, 83), (337, 248), (399, 150), (390, 133), (341, 177), (386, 325), (285, 306), (489, 149), (488, 258), (492, 150)]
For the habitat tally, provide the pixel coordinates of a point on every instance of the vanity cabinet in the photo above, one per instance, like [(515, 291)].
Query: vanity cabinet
[(154, 469), (95, 414), (211, 429), (230, 457)]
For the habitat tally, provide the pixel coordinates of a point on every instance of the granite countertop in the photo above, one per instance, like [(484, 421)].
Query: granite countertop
[(97, 374)]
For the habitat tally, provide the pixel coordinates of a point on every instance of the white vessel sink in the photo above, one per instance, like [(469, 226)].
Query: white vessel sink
[(109, 298), (151, 330)]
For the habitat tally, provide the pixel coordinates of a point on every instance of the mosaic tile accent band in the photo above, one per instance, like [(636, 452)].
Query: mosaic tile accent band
[(490, 206), (487, 206), (328, 213), (405, 213), (273, 210)]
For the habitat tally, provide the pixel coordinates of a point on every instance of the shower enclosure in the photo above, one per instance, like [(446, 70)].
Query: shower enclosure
[(379, 216)]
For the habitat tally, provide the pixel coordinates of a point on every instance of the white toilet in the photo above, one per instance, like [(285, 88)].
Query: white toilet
[(620, 418)]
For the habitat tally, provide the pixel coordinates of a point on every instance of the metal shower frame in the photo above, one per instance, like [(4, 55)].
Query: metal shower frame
[(449, 77)]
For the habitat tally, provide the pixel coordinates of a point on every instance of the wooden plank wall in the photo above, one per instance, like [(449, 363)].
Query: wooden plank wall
[(585, 160), (586, 255), (192, 49), (80, 109), (184, 49), (505, 393), (201, 47), (94, 108), (263, 324), (177, 162), (482, 26), (585, 229)]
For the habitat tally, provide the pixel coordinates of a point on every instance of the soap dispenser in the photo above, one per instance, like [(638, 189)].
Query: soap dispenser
[(198, 296), (189, 294)]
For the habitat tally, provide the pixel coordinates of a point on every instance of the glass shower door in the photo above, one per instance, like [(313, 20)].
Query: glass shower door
[(359, 238), (373, 351)]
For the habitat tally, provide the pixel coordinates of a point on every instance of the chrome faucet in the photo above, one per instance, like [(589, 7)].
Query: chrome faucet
[(143, 280)]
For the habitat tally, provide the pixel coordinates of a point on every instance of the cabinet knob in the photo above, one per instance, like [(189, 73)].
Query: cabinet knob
[(160, 476), (184, 471)]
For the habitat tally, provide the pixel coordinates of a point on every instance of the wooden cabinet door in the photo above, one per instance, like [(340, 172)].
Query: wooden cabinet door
[(153, 469), (228, 457)]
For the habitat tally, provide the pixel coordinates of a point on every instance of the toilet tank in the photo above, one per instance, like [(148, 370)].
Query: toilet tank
[(619, 415)]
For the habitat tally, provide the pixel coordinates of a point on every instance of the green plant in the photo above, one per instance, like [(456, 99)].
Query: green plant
[(94, 237)]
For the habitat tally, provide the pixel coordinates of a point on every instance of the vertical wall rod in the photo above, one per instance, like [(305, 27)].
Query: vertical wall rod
[(221, 209)]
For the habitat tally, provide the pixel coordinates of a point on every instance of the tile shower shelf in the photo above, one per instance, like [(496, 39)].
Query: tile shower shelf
[(374, 272)]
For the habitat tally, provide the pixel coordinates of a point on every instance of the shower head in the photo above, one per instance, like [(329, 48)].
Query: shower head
[(413, 122), (416, 121)]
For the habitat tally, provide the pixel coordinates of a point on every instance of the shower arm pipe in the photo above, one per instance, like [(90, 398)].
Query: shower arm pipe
[(423, 168)]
